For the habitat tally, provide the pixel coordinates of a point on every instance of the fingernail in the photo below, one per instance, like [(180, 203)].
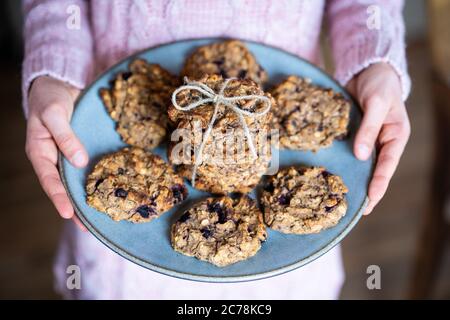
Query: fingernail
[(79, 159), (363, 151)]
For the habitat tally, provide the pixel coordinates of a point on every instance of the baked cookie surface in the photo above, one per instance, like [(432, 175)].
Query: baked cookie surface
[(134, 185), (229, 59), (227, 163), (307, 116), (138, 102), (303, 200), (221, 231)]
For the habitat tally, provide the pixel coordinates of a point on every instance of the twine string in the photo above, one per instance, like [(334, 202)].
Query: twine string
[(218, 99)]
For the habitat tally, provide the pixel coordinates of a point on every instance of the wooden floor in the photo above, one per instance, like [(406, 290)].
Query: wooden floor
[(29, 225)]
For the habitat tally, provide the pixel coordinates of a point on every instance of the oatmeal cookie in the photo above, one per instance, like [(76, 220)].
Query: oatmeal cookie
[(303, 200), (221, 231), (307, 116), (138, 102), (229, 59), (227, 163), (134, 185)]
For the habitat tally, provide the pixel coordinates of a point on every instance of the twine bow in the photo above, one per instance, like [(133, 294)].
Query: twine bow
[(219, 99)]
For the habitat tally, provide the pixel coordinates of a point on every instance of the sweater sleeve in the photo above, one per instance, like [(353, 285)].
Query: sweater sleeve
[(58, 42), (364, 32)]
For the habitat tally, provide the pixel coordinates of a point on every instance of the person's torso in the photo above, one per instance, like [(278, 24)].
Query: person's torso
[(123, 27)]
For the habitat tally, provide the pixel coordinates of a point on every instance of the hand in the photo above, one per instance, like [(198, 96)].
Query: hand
[(385, 123), (48, 129)]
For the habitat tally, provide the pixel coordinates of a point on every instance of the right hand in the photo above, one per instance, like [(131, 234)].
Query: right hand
[(51, 105)]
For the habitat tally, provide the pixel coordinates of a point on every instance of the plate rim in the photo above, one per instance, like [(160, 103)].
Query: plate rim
[(195, 277)]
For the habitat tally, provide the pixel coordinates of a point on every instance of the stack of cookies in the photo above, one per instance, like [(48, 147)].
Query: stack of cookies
[(227, 165), (135, 185)]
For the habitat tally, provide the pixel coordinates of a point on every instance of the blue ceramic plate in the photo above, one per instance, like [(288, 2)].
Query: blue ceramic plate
[(148, 244)]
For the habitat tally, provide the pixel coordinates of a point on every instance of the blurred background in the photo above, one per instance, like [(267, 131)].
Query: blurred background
[(406, 235)]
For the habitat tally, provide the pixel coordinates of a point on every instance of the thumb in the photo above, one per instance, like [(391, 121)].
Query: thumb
[(375, 111), (55, 118), (53, 100)]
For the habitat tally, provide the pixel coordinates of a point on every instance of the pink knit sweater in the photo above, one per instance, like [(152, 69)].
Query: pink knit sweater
[(109, 30), (112, 29)]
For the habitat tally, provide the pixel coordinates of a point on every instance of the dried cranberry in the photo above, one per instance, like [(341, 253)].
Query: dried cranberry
[(206, 233), (221, 211), (219, 62), (121, 193), (325, 174), (222, 217), (242, 74), (184, 217), (126, 75), (213, 207), (284, 200), (223, 73), (178, 192), (145, 211)]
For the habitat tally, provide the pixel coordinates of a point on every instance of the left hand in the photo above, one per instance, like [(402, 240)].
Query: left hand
[(385, 123)]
